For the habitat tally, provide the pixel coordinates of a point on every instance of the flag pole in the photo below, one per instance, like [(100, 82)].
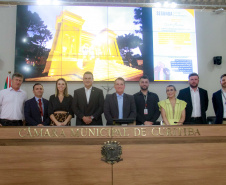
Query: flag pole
[(9, 73)]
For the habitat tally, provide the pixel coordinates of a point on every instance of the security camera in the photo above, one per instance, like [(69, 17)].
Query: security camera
[(217, 60)]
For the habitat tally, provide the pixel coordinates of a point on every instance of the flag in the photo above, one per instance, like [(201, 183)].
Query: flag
[(8, 82)]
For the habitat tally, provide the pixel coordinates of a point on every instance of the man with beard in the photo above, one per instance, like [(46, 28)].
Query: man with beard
[(197, 101), (146, 104), (219, 102)]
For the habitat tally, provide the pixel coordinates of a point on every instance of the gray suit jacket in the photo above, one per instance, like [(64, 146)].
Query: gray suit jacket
[(111, 107)]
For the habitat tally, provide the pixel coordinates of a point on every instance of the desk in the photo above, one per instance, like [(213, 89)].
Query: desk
[(161, 155)]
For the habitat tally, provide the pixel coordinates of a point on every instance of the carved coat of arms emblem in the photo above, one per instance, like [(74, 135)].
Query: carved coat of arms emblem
[(111, 152)]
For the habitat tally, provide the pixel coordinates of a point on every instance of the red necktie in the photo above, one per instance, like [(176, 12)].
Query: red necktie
[(40, 106)]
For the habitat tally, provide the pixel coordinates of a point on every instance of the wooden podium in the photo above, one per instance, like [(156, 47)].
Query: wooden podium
[(159, 155)]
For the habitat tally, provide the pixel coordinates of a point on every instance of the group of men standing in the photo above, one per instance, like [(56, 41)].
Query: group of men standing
[(89, 104)]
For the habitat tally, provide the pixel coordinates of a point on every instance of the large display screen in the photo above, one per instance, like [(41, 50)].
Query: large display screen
[(111, 42), (174, 43)]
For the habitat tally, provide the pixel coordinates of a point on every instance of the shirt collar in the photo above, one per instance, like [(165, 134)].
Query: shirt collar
[(193, 90), (142, 93), (37, 98), (89, 88), (119, 95), (11, 89)]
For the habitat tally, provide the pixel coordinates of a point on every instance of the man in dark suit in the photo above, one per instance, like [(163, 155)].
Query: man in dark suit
[(88, 103), (146, 104), (219, 102), (119, 105), (36, 109), (197, 101)]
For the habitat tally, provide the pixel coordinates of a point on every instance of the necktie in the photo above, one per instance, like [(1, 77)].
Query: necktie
[(40, 106)]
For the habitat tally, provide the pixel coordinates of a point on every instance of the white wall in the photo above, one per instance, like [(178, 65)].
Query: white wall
[(211, 41)]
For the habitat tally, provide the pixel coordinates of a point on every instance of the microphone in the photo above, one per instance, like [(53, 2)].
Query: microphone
[(178, 122), (185, 123)]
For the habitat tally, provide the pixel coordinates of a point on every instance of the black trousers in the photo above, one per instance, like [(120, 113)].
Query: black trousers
[(6, 122), (196, 120)]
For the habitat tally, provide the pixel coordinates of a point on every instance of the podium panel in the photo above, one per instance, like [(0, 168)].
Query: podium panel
[(48, 159), (180, 155)]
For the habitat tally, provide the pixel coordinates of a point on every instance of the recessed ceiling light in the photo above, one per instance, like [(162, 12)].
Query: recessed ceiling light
[(158, 5), (166, 4), (173, 5)]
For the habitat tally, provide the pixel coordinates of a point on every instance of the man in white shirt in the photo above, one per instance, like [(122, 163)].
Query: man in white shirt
[(88, 103), (12, 103), (219, 102), (196, 99)]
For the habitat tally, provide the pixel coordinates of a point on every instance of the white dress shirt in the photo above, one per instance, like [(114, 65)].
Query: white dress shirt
[(88, 92), (195, 97), (12, 104)]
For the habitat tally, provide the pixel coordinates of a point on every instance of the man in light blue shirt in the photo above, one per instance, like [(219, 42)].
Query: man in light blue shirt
[(119, 105)]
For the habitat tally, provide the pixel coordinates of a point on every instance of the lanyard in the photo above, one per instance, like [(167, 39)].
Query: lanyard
[(145, 100)]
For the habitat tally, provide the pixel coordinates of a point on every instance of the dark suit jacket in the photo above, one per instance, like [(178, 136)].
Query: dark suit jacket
[(111, 107), (32, 113), (94, 108), (152, 106), (218, 107), (185, 95)]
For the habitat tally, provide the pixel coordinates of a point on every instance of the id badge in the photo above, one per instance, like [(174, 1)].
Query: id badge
[(145, 111)]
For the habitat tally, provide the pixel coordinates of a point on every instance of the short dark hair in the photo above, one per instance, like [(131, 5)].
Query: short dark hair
[(172, 86), (37, 84), (193, 74), (144, 77), (120, 78), (222, 76), (18, 75), (88, 73)]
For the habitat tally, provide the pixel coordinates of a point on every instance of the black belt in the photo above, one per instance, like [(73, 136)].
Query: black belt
[(196, 118), (224, 119)]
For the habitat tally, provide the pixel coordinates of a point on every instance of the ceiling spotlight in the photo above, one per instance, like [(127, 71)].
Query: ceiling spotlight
[(56, 2), (166, 4), (43, 2), (158, 5), (218, 11), (173, 5)]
